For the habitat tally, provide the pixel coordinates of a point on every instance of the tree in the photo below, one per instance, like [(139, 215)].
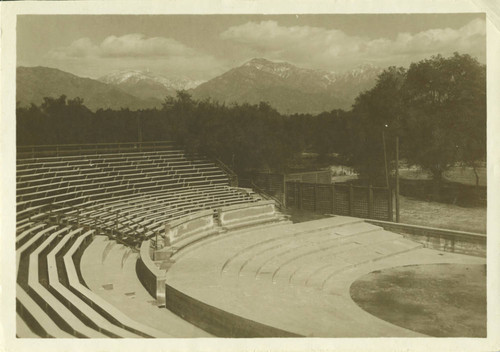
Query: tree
[(375, 112), (445, 120)]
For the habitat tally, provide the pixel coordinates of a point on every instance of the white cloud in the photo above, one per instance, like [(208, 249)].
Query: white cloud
[(131, 51), (315, 46), (129, 45)]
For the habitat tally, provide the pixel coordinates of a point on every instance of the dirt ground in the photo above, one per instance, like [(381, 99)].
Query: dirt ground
[(442, 300), (442, 215), (418, 212)]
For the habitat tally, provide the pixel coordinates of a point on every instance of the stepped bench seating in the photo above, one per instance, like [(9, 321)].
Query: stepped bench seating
[(145, 206), (51, 300), (150, 201), (79, 194), (62, 202), (95, 301), (33, 174), (210, 190), (122, 181), (28, 280)]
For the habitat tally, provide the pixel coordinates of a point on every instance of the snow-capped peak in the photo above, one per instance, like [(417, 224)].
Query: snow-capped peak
[(281, 69), (131, 77)]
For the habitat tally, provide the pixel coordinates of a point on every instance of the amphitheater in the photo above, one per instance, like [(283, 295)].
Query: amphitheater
[(143, 240)]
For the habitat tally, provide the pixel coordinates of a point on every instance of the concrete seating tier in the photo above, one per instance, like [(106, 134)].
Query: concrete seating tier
[(185, 232), (291, 279), (63, 202), (52, 302), (109, 270)]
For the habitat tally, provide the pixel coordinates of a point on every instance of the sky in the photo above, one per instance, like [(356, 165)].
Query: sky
[(203, 46)]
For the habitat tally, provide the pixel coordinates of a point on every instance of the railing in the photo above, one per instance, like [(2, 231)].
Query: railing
[(322, 176), (232, 176), (271, 184), (34, 151), (268, 196)]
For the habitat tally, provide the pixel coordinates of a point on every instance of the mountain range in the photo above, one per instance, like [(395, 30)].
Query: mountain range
[(35, 83), (288, 88), (148, 85)]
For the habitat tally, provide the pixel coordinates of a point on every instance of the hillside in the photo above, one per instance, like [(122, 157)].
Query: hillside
[(288, 88), (35, 83), (148, 85)]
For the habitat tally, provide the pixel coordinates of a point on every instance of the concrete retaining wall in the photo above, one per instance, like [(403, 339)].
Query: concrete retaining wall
[(181, 229), (216, 321), (247, 214), (183, 232), (444, 240), (151, 277)]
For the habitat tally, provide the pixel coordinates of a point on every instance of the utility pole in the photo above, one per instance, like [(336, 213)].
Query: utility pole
[(397, 178), (385, 159)]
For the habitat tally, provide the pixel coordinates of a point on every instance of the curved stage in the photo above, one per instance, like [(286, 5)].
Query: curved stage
[(291, 279)]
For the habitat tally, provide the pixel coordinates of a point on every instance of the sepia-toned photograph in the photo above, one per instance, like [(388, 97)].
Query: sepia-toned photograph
[(251, 175)]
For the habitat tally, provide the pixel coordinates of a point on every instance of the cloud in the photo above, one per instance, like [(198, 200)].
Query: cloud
[(129, 45), (316, 46), (131, 51)]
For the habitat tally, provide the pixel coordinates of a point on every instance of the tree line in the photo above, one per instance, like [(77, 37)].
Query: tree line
[(437, 107)]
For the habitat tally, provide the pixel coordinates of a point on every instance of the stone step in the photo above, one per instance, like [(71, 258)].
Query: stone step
[(363, 255), (270, 259), (282, 236), (115, 281)]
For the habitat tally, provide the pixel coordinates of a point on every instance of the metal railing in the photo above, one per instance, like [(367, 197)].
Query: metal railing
[(279, 204), (37, 151), (232, 176)]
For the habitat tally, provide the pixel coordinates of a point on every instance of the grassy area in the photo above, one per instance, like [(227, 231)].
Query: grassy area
[(442, 215), (464, 175), (419, 212)]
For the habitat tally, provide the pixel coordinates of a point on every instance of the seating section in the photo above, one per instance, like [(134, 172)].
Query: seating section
[(64, 201), (130, 194)]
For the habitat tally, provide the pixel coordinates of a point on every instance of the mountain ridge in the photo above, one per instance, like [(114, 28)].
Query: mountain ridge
[(35, 83), (145, 84), (288, 88)]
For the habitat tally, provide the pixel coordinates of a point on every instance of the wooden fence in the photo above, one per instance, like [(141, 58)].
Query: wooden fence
[(341, 199), (322, 176)]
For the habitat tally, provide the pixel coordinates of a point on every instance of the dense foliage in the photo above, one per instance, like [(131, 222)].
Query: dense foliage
[(445, 113), (437, 107)]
